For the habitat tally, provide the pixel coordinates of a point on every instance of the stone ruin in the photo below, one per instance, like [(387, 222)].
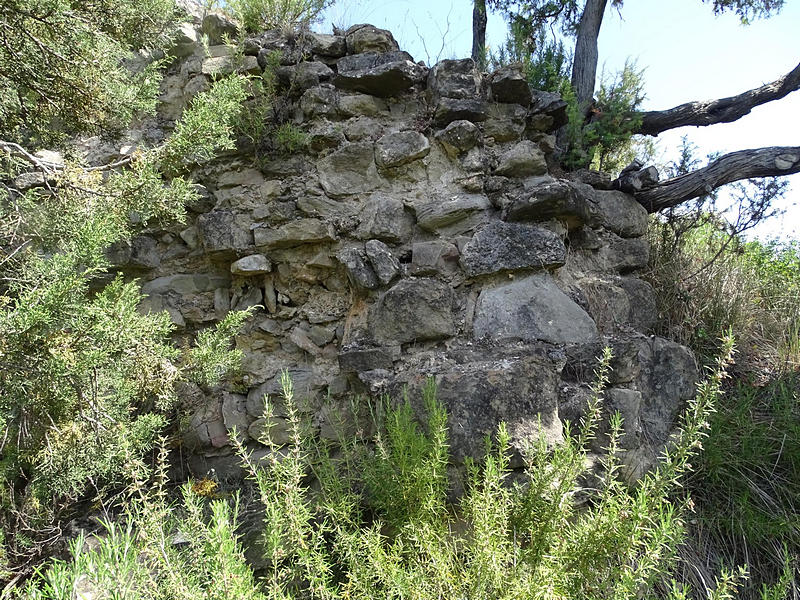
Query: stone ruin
[(417, 234)]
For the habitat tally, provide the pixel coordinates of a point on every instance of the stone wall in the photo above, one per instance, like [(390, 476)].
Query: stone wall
[(417, 235)]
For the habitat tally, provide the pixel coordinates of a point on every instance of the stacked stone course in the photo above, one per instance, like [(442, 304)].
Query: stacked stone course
[(417, 234)]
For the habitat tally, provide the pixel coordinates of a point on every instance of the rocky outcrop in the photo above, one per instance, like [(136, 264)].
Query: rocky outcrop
[(417, 234)]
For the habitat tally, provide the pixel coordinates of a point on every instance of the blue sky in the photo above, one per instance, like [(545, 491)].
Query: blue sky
[(688, 54)]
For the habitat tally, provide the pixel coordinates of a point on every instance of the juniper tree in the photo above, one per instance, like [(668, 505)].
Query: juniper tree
[(582, 21), (86, 380)]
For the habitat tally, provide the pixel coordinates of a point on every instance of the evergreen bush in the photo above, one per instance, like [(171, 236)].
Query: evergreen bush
[(370, 519)]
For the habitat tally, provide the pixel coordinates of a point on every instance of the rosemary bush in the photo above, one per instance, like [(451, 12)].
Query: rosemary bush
[(371, 520)]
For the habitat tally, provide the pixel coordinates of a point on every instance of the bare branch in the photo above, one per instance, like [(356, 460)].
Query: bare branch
[(723, 110), (20, 152), (50, 167), (745, 164)]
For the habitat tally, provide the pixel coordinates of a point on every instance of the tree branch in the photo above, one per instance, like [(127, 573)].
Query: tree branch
[(723, 110), (745, 164)]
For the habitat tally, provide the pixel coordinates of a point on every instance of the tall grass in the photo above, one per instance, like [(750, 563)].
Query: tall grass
[(708, 283), (746, 484)]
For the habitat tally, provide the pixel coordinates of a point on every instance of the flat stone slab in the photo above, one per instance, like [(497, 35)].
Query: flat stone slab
[(185, 284), (457, 109), (571, 203), (512, 246), (383, 75), (296, 233), (531, 309), (445, 211)]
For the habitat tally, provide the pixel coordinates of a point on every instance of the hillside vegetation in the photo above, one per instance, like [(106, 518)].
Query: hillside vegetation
[(88, 387)]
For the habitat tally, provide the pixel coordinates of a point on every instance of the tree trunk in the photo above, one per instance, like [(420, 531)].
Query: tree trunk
[(584, 65), (762, 162), (479, 33), (724, 110)]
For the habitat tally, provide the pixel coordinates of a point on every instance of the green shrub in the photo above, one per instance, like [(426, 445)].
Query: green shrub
[(377, 524), (545, 61), (86, 380), (258, 15), (72, 72), (604, 140), (155, 550), (289, 138), (746, 486), (746, 483)]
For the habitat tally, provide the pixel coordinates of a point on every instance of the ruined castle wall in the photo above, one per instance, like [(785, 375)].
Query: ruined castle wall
[(418, 233)]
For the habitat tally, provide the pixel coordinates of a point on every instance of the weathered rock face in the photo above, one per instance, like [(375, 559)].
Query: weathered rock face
[(532, 309), (418, 234)]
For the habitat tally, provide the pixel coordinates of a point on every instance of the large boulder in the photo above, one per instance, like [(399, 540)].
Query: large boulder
[(459, 136), (552, 106), (414, 310), (255, 264), (224, 231), (219, 28), (512, 246), (518, 388), (185, 284), (531, 309), (350, 170), (384, 217), (356, 359), (381, 75), (359, 271), (435, 257), (368, 38), (621, 213), (505, 122), (454, 79), (403, 147), (326, 45), (521, 160), (304, 75), (508, 84), (384, 263)]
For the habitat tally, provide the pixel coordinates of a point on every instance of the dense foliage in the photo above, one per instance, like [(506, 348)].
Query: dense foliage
[(260, 15), (70, 67), (566, 14), (378, 524), (87, 380)]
